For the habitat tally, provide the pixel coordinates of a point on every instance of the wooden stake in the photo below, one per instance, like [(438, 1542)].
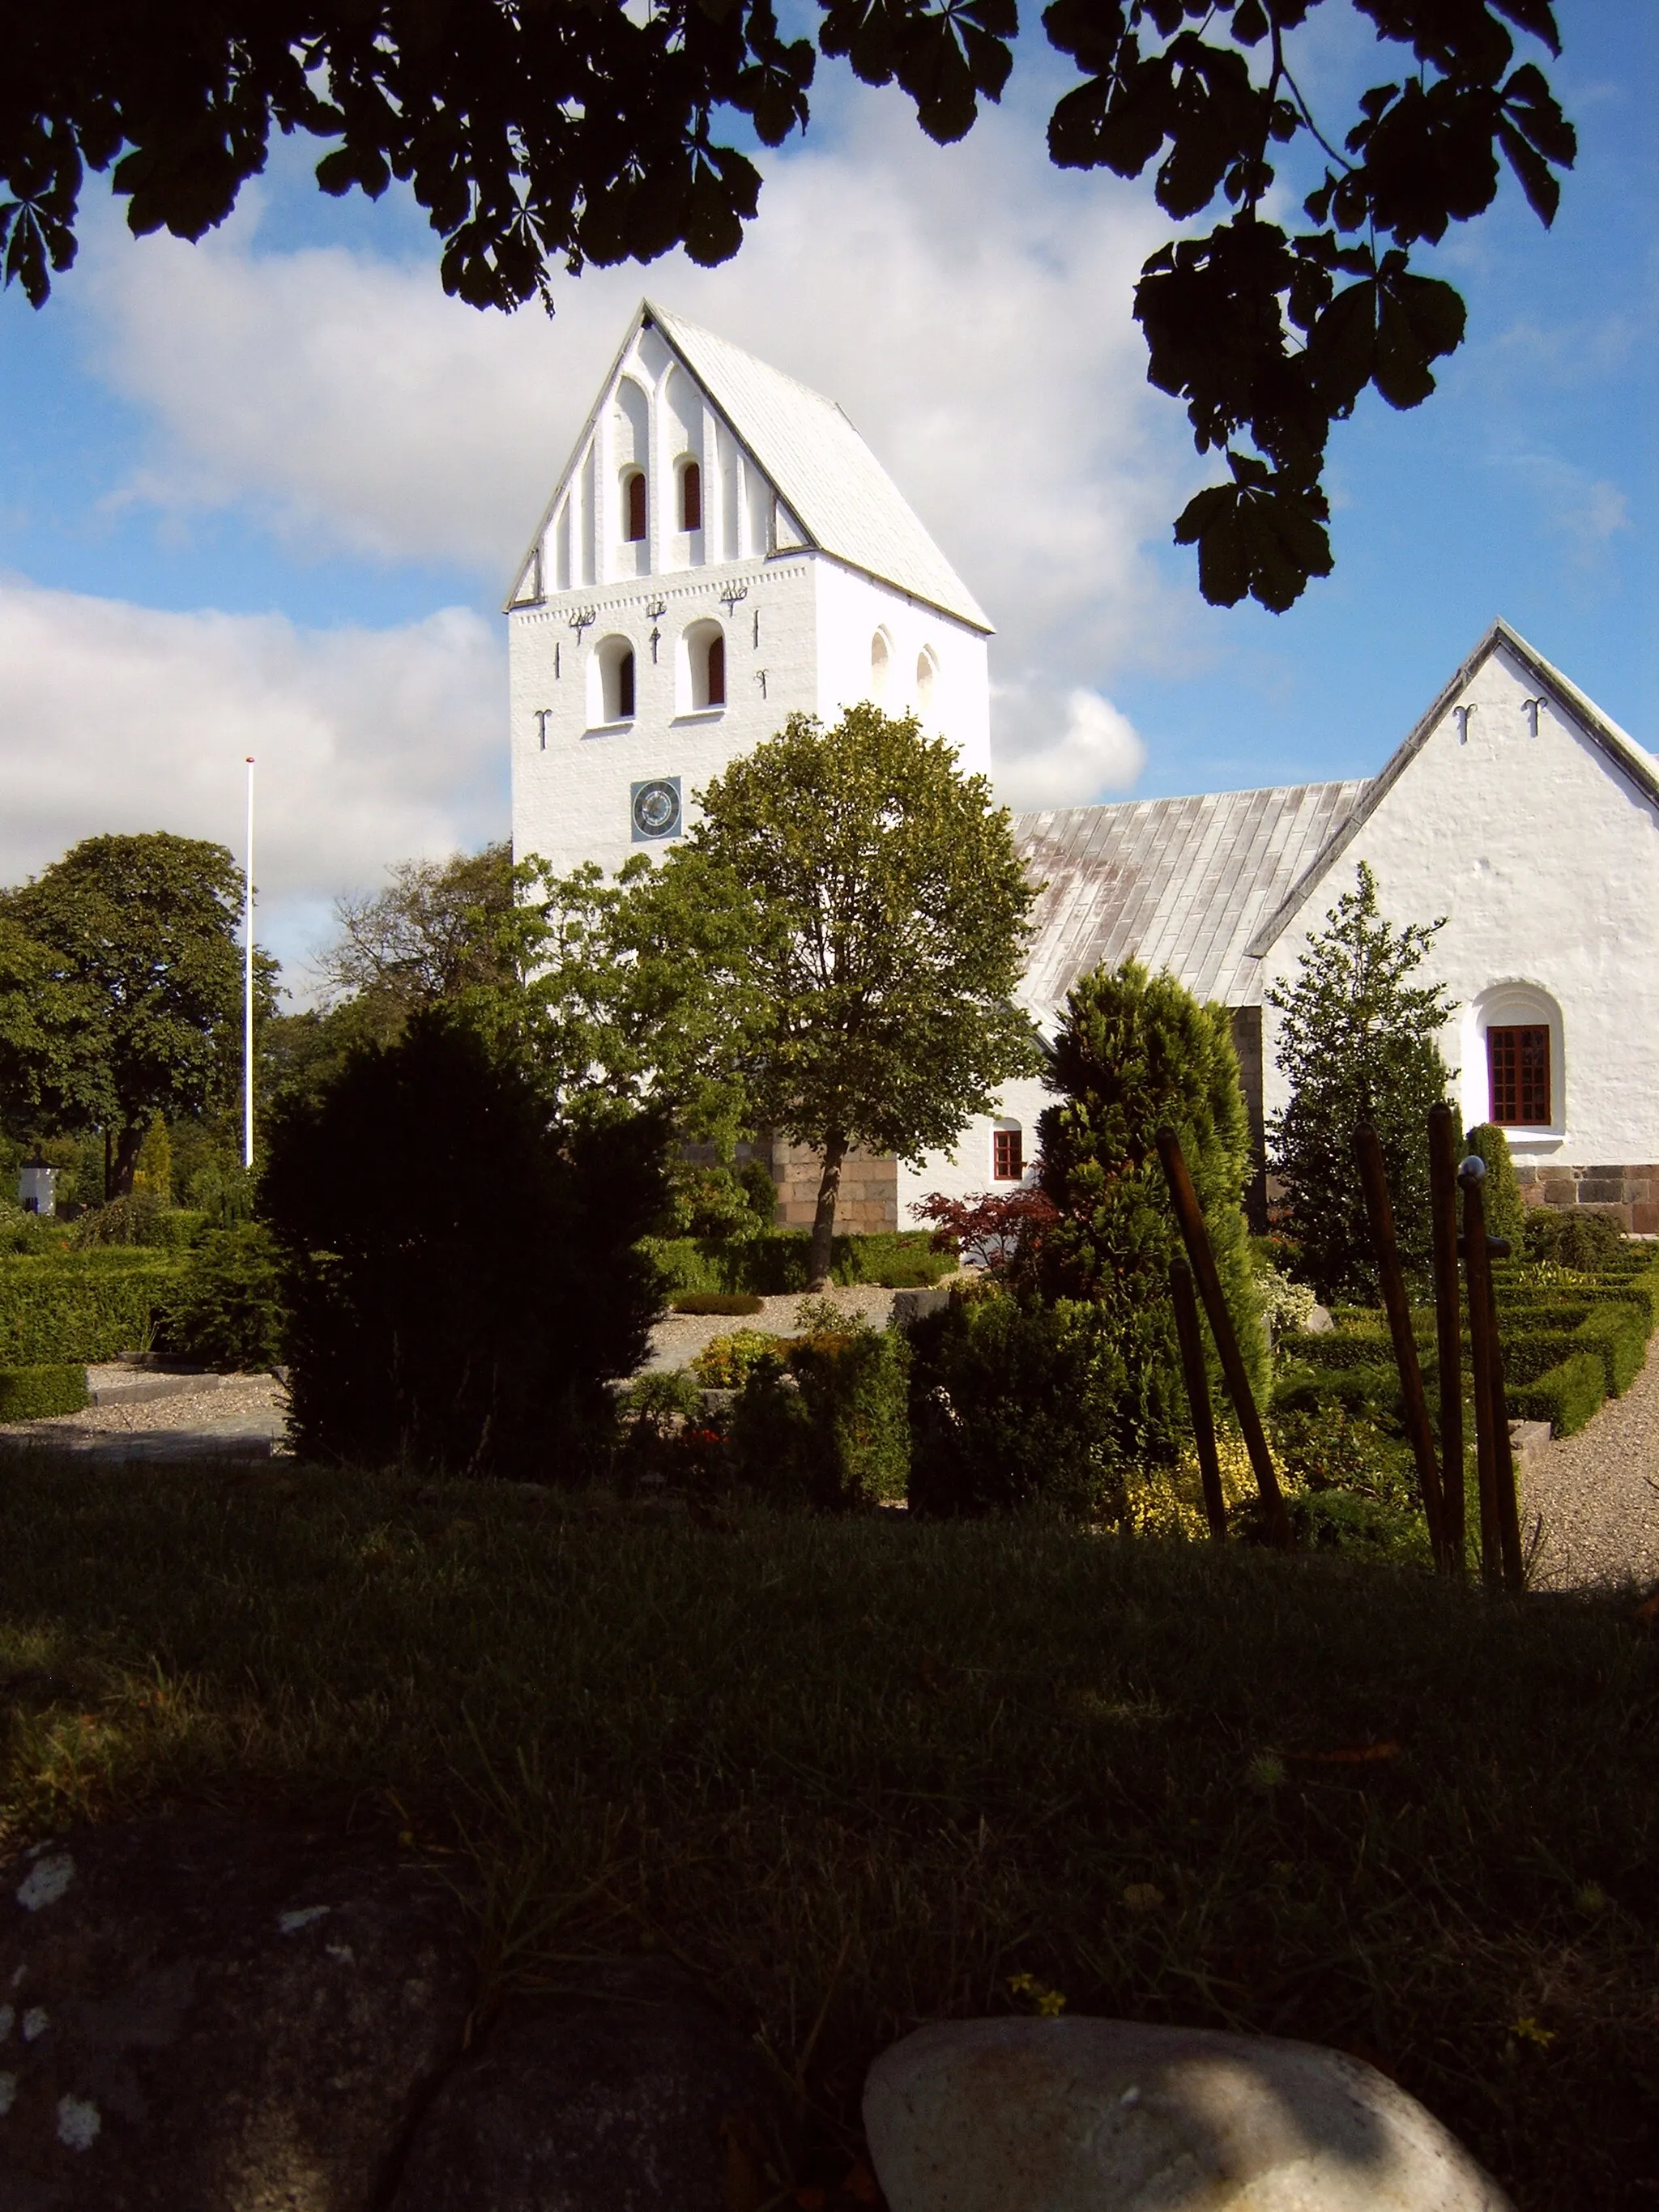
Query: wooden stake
[(1476, 1273), (1374, 1183), (1194, 1235), (1508, 1505), (1198, 1395), (1448, 1330)]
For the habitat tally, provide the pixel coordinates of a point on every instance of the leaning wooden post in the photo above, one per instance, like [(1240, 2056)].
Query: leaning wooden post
[(1477, 1271), (1198, 1395), (1374, 1183), (1447, 1329), (1195, 1237), (1508, 1505)]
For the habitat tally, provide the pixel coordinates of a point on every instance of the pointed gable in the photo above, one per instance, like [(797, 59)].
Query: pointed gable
[(1617, 749), (847, 504)]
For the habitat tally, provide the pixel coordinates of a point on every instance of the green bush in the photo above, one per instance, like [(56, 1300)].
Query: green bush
[(830, 1430), (1571, 1240), (1367, 1391), (1335, 1348), (1012, 1404), (1500, 1193), (424, 1332), (84, 1306), (144, 1219), (1618, 1335), (35, 1394), (726, 1363), (1565, 1396), (225, 1311), (716, 1301)]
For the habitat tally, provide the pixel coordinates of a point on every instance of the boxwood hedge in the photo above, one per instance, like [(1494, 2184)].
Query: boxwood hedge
[(35, 1394), (82, 1306)]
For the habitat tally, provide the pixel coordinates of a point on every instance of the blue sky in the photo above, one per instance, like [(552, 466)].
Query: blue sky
[(265, 495)]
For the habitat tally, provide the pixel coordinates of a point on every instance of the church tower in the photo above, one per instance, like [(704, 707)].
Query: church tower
[(722, 550)]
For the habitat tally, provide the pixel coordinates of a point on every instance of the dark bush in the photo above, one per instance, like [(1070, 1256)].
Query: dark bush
[(35, 1394), (461, 1273), (226, 1311), (831, 1430), (1012, 1404), (1583, 1241), (716, 1301)]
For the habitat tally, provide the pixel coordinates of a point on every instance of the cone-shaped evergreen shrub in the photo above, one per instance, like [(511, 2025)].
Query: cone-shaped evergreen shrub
[(1505, 1208), (1136, 1052), (460, 1270)]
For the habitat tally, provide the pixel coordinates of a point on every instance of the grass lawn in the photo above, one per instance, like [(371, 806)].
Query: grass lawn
[(864, 1773)]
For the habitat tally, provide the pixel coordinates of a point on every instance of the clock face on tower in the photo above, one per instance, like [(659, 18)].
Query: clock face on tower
[(655, 807)]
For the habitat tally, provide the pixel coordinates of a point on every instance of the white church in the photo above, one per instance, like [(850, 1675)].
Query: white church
[(723, 549)]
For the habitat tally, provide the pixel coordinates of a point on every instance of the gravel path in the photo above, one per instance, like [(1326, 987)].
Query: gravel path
[(1599, 1492), (677, 1341), (240, 1418)]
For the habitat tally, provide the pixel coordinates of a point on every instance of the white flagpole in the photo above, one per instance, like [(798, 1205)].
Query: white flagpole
[(247, 985)]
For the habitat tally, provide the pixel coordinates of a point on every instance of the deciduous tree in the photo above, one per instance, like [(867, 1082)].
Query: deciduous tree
[(566, 133)]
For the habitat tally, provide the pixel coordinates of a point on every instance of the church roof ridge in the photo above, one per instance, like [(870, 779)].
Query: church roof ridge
[(820, 467)]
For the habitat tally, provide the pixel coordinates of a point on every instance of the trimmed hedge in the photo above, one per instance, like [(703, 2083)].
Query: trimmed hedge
[(1565, 1396), (35, 1394), (1360, 1391), (82, 1306), (716, 1301), (775, 1265)]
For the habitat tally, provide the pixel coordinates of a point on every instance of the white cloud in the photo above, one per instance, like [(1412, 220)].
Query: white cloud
[(1098, 750), (970, 307), (371, 745)]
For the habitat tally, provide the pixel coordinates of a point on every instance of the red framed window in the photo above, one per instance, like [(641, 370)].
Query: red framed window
[(1518, 1076), (691, 497), (1007, 1156), (635, 490)]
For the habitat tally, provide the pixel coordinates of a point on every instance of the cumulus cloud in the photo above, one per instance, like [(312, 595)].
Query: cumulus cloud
[(970, 307), (1095, 753), (371, 745)]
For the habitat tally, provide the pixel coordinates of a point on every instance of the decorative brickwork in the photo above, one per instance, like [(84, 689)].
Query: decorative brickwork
[(1629, 1194), (869, 1189)]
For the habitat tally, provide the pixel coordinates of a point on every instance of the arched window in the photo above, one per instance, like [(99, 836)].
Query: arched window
[(1007, 1152), (1514, 1069), (634, 499), (690, 496), (926, 677), (881, 662), (700, 675), (610, 683)]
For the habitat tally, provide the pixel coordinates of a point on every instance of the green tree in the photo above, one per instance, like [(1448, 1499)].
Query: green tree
[(50, 1076), (459, 1267), (1358, 1041), (1135, 1053), (565, 134), (883, 918), (144, 929)]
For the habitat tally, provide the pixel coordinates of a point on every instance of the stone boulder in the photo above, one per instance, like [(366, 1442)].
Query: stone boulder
[(1107, 2116), (203, 2015), (626, 2095)]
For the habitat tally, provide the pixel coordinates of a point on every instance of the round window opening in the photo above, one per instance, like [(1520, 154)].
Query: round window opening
[(656, 809)]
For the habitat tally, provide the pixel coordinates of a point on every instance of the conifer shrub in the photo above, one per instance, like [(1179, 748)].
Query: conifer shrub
[(1358, 1042), (822, 1419), (1505, 1210), (226, 1310), (1136, 1052), (432, 1331)]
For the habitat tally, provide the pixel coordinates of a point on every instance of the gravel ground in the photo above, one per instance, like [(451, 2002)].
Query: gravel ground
[(1599, 1492), (242, 1416), (677, 1341)]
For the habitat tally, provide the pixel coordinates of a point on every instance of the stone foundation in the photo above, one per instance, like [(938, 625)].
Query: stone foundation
[(869, 1189), (1629, 1195)]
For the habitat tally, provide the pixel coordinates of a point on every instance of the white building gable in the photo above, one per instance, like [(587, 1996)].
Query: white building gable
[(722, 550), (1518, 811)]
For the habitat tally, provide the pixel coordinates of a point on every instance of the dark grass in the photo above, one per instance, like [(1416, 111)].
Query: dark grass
[(859, 1772)]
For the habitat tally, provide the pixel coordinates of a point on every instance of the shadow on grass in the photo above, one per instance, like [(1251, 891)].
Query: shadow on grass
[(861, 1773)]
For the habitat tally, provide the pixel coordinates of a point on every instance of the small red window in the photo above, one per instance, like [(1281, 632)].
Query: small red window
[(717, 671), (1007, 1156), (636, 489), (691, 497), (1518, 1069)]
